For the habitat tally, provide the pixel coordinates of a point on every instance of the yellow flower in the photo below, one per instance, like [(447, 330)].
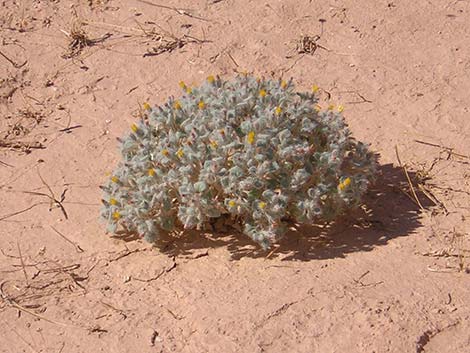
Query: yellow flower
[(251, 137), (151, 172), (201, 105), (262, 205), (116, 215), (232, 203), (134, 127), (210, 79), (340, 108), (331, 107), (317, 107), (180, 153), (182, 84), (113, 201), (263, 93), (177, 105), (189, 90), (343, 185), (146, 106), (278, 110), (114, 179), (214, 144), (283, 84), (165, 152), (315, 88)]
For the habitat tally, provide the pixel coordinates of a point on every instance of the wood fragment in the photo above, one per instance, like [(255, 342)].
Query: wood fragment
[(22, 263), (6, 164), (21, 211), (76, 246), (22, 146), (54, 201), (449, 149), (412, 189), (125, 253), (169, 44), (15, 65), (69, 129), (17, 306), (153, 338), (179, 11), (151, 278)]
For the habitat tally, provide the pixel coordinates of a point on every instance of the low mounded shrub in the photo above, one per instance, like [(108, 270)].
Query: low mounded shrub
[(252, 150)]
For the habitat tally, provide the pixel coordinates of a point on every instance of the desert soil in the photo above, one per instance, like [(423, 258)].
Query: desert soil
[(391, 277)]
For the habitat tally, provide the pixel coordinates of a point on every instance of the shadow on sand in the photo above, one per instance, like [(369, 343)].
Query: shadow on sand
[(387, 213)]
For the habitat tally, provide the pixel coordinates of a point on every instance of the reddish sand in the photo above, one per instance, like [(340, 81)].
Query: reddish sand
[(391, 277)]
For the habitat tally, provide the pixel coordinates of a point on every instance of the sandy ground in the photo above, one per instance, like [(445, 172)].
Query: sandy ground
[(392, 277)]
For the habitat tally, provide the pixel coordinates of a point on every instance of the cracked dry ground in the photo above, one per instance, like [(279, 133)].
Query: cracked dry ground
[(73, 76)]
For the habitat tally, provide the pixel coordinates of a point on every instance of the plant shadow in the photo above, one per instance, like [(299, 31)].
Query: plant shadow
[(387, 213)]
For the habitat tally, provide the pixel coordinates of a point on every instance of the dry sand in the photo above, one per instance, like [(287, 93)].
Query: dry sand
[(74, 75)]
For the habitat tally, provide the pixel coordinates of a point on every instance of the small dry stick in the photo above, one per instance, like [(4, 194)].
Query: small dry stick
[(6, 164), (21, 211), (17, 66), (52, 197), (183, 12), (363, 99), (151, 278), (233, 60), (409, 179), (276, 248), (448, 149), (19, 145), (125, 253), (22, 263), (14, 304), (76, 246), (166, 45)]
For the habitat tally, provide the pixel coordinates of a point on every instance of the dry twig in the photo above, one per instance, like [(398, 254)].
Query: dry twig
[(15, 65), (169, 44), (17, 306), (450, 150), (412, 189), (165, 270), (76, 246), (179, 11), (25, 147), (22, 263)]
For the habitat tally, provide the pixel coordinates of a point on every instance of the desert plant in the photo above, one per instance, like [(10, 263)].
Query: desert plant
[(250, 149)]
